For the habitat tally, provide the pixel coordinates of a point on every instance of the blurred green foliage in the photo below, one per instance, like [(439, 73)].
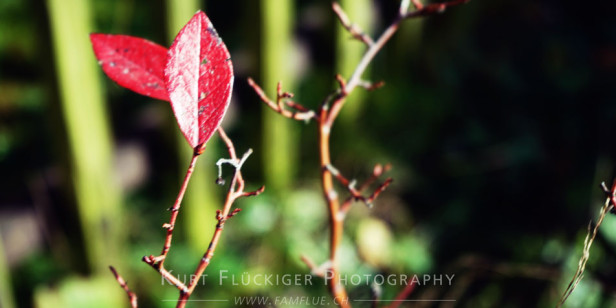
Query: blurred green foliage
[(279, 135), (496, 116)]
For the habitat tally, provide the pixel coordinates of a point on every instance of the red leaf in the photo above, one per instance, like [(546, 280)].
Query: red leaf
[(199, 79), (132, 62)]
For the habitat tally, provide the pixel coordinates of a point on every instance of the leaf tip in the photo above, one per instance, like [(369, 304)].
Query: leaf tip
[(93, 36)]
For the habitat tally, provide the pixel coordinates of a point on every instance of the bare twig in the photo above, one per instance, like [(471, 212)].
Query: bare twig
[(236, 191), (356, 193), (326, 116), (404, 294), (370, 86), (132, 297), (353, 29), (317, 270), (158, 261), (376, 173), (431, 9), (301, 113)]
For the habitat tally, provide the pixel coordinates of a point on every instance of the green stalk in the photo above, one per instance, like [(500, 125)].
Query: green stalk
[(280, 156), (98, 198), (200, 201), (349, 52), (6, 291)]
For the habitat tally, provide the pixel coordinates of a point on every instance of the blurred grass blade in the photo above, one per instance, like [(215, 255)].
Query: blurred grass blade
[(349, 52), (6, 291), (280, 156), (85, 116), (200, 201)]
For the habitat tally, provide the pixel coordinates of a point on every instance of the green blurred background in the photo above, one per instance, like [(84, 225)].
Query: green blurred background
[(497, 116)]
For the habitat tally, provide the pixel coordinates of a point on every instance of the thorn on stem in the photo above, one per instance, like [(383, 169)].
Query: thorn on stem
[(369, 86), (342, 84), (234, 212), (279, 89), (219, 215), (254, 193)]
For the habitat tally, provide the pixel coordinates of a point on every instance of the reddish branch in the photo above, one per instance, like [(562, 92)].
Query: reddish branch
[(356, 193), (353, 29), (158, 261), (298, 111), (132, 297), (326, 117), (235, 191), (404, 294)]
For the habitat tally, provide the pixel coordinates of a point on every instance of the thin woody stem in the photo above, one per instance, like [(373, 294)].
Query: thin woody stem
[(374, 48), (355, 79), (353, 29), (356, 193), (326, 121), (404, 294), (207, 257), (132, 297), (376, 173), (175, 209), (236, 191), (157, 262), (335, 219), (301, 113), (326, 117)]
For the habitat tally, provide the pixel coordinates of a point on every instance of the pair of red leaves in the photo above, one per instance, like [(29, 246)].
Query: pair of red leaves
[(195, 74)]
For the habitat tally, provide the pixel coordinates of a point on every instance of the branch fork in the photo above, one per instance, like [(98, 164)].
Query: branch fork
[(356, 194), (326, 116), (283, 105), (353, 29), (235, 191)]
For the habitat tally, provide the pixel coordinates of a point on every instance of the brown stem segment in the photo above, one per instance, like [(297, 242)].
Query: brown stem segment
[(157, 262), (353, 29), (404, 294), (335, 219), (175, 209), (326, 117), (132, 297), (300, 113), (236, 191)]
